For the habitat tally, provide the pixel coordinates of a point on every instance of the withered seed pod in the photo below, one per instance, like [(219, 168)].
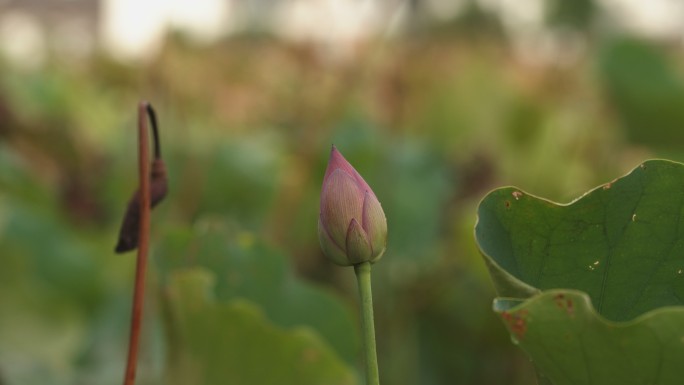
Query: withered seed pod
[(128, 234)]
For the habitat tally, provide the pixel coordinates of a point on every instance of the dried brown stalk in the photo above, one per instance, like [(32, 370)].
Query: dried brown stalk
[(135, 229)]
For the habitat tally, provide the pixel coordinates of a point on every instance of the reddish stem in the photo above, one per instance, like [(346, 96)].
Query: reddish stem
[(143, 245)]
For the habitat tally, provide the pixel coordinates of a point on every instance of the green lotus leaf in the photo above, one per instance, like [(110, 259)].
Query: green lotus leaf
[(572, 344), (232, 342), (618, 254)]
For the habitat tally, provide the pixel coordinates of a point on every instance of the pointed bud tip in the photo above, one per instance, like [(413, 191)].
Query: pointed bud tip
[(335, 154), (338, 161)]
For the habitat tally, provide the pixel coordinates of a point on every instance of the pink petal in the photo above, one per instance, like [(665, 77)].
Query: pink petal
[(330, 249), (340, 203), (357, 245), (374, 224)]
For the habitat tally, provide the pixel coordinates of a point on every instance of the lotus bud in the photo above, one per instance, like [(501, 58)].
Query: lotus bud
[(351, 225)]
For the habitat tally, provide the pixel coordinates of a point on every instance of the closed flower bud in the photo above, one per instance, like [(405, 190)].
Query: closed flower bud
[(351, 225)]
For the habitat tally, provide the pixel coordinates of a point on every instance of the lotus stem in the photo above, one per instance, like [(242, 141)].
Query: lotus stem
[(363, 277)]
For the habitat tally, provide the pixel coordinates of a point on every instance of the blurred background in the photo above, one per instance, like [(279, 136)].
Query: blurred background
[(435, 102)]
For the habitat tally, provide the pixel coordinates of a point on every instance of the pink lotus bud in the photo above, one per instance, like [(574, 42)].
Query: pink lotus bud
[(351, 226)]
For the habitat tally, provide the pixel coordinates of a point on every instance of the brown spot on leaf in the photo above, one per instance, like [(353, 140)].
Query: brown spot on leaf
[(608, 185), (564, 303), (516, 322)]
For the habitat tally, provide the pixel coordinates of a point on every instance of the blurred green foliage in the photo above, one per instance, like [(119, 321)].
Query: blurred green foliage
[(232, 343), (648, 92), (433, 120), (246, 269)]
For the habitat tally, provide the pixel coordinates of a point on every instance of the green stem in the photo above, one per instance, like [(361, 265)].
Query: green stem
[(363, 277)]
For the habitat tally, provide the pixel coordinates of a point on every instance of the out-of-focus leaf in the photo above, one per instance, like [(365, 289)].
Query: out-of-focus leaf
[(49, 287), (239, 179), (232, 342), (247, 268), (621, 244), (415, 204), (40, 245), (646, 91)]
